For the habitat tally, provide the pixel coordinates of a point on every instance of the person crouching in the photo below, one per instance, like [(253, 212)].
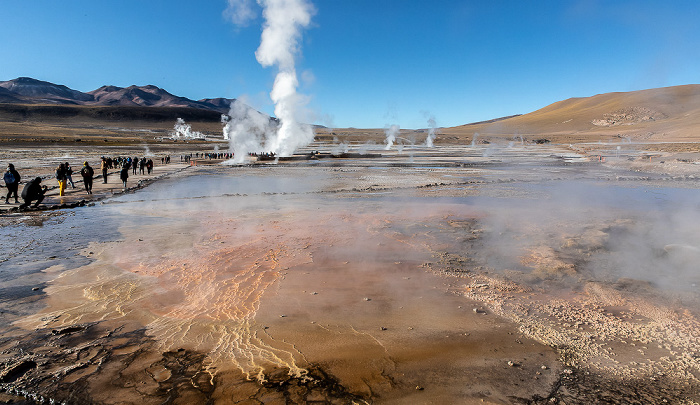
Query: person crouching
[(33, 191)]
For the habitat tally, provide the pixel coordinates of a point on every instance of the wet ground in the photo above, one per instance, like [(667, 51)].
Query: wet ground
[(517, 274)]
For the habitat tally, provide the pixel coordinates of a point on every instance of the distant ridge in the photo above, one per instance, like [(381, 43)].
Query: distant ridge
[(25, 90), (653, 114), (28, 89)]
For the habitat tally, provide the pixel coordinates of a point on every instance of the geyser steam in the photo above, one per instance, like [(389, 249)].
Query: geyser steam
[(432, 128), (245, 129), (391, 132), (181, 130), (284, 20)]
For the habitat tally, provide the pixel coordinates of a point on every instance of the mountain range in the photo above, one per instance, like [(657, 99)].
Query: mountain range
[(666, 114), (25, 90)]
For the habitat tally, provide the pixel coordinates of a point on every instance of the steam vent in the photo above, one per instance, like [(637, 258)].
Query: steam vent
[(495, 271), (350, 203)]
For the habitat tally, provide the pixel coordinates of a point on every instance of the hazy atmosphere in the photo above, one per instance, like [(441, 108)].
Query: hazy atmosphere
[(349, 202)]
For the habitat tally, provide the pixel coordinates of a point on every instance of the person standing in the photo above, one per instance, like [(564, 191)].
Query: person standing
[(134, 165), (104, 166), (87, 174), (11, 178), (124, 174), (61, 178), (33, 191), (69, 175)]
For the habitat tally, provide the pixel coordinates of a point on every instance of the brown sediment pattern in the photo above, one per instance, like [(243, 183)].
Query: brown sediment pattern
[(620, 341), (320, 306), (203, 299), (338, 293)]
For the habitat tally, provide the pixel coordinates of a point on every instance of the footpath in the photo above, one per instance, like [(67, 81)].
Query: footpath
[(77, 197)]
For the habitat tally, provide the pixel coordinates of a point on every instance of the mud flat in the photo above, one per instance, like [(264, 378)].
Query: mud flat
[(512, 274)]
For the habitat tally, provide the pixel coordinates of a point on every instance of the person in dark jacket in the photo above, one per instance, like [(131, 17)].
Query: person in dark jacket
[(104, 166), (11, 179), (87, 172), (33, 191), (69, 175), (124, 174)]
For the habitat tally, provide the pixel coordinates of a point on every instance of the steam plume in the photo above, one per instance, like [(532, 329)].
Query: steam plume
[(245, 129), (181, 130), (432, 129), (391, 132), (284, 21)]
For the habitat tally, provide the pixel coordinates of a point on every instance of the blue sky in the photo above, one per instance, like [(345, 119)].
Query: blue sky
[(365, 63)]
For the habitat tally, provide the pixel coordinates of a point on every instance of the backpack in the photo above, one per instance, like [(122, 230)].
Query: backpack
[(9, 178)]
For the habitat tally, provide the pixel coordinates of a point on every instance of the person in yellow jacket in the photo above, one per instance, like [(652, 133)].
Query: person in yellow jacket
[(61, 176)]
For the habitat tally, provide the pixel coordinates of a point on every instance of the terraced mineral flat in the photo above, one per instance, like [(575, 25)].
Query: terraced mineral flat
[(511, 273)]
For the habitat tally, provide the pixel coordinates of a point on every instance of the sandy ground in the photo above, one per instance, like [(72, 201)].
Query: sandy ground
[(487, 274)]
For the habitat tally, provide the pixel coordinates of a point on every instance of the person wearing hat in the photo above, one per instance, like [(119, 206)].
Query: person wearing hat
[(11, 179), (87, 174)]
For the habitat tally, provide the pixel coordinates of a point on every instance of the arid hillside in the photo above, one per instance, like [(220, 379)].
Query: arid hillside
[(668, 114)]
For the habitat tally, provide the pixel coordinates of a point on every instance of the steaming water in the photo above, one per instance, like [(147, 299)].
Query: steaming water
[(210, 261)]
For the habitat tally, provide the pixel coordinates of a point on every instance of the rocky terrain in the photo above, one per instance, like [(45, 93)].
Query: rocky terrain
[(31, 91)]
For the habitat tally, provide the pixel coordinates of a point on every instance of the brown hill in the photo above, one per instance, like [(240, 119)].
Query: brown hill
[(150, 96), (662, 114), (26, 90)]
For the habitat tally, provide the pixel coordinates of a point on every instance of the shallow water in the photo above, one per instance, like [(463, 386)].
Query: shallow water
[(283, 268)]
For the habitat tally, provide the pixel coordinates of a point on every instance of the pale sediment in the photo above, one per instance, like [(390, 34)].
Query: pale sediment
[(366, 282)]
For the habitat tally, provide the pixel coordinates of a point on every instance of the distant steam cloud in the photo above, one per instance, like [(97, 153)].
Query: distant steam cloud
[(181, 130), (432, 131), (240, 11), (284, 21), (391, 132), (245, 128)]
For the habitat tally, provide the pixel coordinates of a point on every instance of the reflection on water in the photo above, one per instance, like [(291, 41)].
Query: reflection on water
[(262, 272)]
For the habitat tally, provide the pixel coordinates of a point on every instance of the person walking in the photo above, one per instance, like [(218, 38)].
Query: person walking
[(104, 166), (124, 174), (69, 175), (11, 179), (61, 178), (33, 191), (87, 174)]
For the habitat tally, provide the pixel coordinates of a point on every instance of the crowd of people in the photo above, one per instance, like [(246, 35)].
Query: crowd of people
[(263, 154), (34, 190), (125, 165), (209, 156)]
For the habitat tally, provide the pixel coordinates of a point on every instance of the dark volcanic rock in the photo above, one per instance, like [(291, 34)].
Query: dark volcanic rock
[(45, 91)]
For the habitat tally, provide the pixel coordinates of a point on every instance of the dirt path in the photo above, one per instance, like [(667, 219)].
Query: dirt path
[(78, 196)]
